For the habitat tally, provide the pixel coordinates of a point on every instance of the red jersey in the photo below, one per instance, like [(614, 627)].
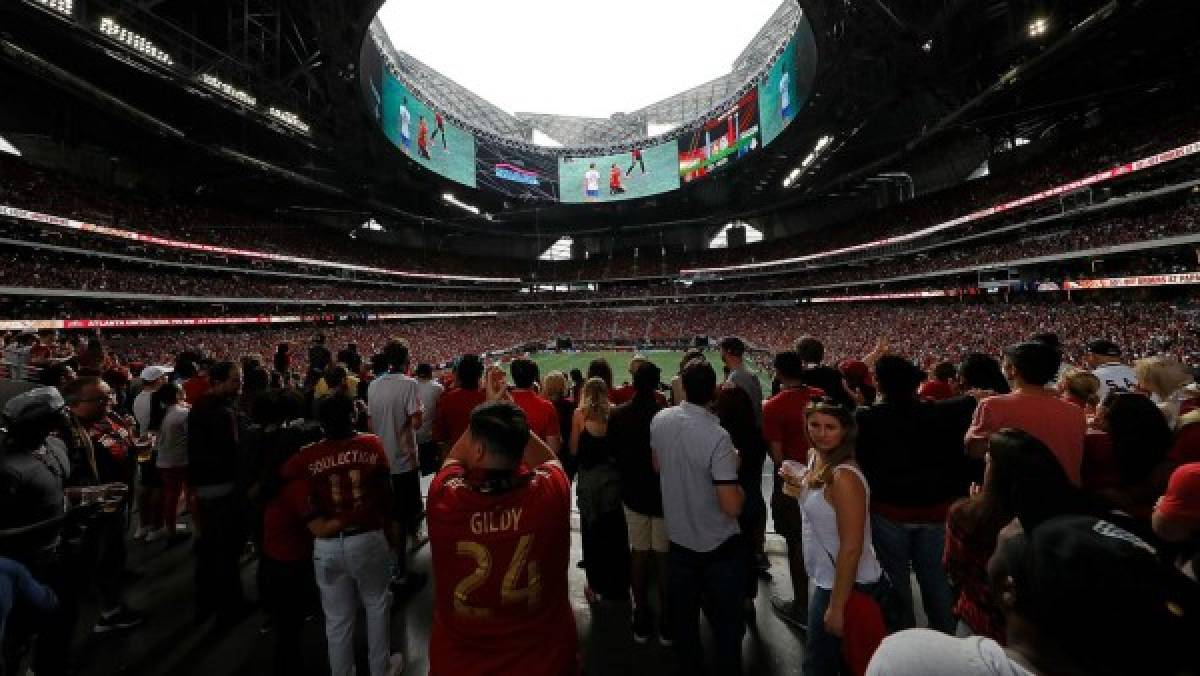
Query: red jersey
[(614, 178), (348, 479), (454, 413), (437, 118), (784, 421), (285, 524), (625, 393), (422, 134), (196, 387), (541, 414), (935, 390), (500, 564)]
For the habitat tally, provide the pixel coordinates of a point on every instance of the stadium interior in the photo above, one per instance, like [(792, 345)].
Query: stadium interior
[(926, 179)]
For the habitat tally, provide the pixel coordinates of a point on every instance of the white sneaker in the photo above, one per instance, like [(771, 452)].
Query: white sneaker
[(156, 535), (396, 664)]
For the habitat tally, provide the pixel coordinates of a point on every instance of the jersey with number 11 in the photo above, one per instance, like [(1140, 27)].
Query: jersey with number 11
[(500, 574)]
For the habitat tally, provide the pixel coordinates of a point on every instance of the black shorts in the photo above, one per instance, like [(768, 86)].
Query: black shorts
[(428, 456), (406, 490)]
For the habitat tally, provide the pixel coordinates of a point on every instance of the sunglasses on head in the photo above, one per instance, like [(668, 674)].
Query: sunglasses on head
[(825, 401)]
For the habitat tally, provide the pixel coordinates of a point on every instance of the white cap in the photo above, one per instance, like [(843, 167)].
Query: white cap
[(151, 373)]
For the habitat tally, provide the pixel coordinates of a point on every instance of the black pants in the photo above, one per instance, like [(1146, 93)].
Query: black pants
[(717, 579), (220, 539), (406, 496), (110, 553), (288, 591), (606, 554), (427, 457), (635, 163)]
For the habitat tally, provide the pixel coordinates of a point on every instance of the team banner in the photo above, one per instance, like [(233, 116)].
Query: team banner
[(727, 137), (608, 178), (165, 322), (425, 135), (899, 295), (1129, 282)]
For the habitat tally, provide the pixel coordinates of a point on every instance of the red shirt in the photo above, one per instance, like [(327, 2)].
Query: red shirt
[(1058, 424), (784, 421), (1182, 497), (285, 527), (1187, 442), (196, 387), (614, 177), (625, 393), (500, 575), (348, 479), (454, 413), (935, 390), (542, 416), (1099, 470), (422, 133)]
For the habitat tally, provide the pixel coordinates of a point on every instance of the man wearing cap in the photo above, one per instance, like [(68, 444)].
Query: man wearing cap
[(1176, 517), (1103, 357), (1080, 595), (1032, 408), (152, 377)]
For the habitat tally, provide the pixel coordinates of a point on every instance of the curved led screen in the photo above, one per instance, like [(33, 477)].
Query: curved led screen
[(522, 170)]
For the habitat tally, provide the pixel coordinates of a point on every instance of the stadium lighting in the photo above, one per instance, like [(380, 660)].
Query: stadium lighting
[(241, 96), (1038, 27), (808, 159), (135, 41), (290, 119), (451, 199), (64, 7), (9, 148)]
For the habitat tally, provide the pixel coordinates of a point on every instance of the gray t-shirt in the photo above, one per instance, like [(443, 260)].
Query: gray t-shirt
[(924, 652), (694, 455), (748, 383)]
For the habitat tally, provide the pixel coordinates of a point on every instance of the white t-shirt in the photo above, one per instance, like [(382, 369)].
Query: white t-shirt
[(391, 399), (591, 179), (405, 120), (429, 391), (141, 410), (785, 97), (172, 440), (1114, 375), (925, 652)]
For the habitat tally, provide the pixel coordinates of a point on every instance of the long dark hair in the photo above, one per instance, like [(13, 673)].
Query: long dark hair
[(1141, 437), (599, 368), (1028, 482), (161, 400)]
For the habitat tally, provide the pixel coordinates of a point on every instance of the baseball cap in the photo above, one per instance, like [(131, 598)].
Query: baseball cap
[(1104, 348), (33, 404), (1182, 497), (154, 373), (1102, 595)]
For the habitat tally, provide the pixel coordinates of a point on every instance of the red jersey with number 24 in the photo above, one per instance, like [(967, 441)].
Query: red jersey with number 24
[(500, 574)]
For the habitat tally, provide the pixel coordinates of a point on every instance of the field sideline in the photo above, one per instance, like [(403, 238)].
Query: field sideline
[(667, 361)]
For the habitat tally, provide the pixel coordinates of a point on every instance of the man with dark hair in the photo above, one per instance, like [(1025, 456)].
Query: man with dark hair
[(785, 428), (319, 356), (214, 436), (1032, 408), (629, 433), (816, 374), (454, 408), (395, 413), (430, 391), (348, 508), (541, 414), (733, 352), (1080, 595), (499, 528), (106, 439), (698, 476)]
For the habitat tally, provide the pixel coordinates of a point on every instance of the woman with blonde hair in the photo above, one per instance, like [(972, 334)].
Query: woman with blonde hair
[(838, 552), (1080, 387), (602, 519), (1164, 377)]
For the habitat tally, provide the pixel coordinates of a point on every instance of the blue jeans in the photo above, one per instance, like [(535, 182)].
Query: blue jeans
[(899, 545), (717, 579), (354, 571)]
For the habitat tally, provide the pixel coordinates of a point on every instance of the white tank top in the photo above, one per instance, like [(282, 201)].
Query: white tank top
[(821, 541)]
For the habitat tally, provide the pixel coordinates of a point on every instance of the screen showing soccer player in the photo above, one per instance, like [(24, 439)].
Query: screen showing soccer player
[(425, 135), (638, 172)]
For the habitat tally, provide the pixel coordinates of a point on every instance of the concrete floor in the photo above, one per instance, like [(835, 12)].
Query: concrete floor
[(170, 643)]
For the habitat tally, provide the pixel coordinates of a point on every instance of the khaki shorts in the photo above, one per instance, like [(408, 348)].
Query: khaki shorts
[(646, 533)]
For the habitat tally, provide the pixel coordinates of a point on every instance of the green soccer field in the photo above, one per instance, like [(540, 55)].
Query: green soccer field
[(667, 362)]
